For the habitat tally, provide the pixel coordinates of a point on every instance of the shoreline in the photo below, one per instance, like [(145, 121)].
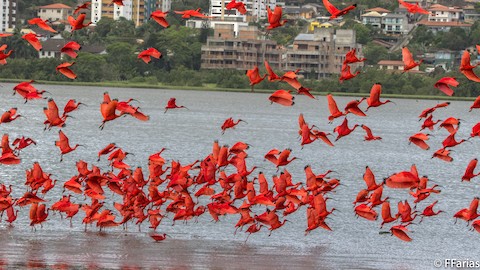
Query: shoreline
[(119, 84)]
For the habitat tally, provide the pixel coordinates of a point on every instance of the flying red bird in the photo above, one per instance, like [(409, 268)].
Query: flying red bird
[(476, 104), (343, 129), (172, 104), (64, 145), (4, 55), (117, 2), (160, 17), (85, 5), (9, 116), (77, 23), (275, 17), (444, 85), (33, 40), (70, 49), (42, 24), (186, 14), (346, 74), (369, 136), (282, 97), (333, 108), (408, 62), (65, 70), (240, 6), (230, 123), (419, 140), (272, 76), (254, 76), (351, 57), (335, 12), (374, 99), (467, 69), (413, 8), (147, 54)]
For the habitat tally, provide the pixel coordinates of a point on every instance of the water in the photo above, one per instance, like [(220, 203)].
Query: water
[(188, 136)]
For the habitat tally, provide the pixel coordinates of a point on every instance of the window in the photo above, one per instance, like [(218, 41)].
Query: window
[(58, 10)]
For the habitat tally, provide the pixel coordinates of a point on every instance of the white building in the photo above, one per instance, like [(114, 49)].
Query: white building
[(55, 12), (441, 13), (124, 11), (8, 12), (256, 10)]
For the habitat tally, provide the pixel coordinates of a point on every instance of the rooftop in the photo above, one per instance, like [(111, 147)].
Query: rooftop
[(451, 24), (378, 9), (56, 6), (437, 7)]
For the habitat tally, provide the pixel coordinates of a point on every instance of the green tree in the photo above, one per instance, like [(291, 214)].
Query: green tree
[(374, 53)]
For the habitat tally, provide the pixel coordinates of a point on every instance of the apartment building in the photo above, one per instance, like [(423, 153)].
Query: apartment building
[(322, 53), (225, 50), (8, 13), (137, 11)]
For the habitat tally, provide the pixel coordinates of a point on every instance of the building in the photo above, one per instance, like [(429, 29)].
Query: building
[(440, 13), (257, 10), (395, 65), (8, 14), (51, 48), (395, 24), (470, 14), (137, 11), (294, 12), (322, 53), (373, 18), (443, 26), (389, 23), (225, 50), (55, 12)]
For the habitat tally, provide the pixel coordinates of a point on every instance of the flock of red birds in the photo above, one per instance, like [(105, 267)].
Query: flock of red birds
[(222, 178)]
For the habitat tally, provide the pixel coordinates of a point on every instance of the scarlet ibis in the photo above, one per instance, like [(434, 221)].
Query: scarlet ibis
[(351, 57), (408, 62), (413, 8), (42, 24), (148, 53), (77, 23), (282, 97), (254, 76), (335, 12), (343, 130), (275, 17), (467, 69), (230, 123), (64, 68), (240, 6), (444, 85), (70, 49), (172, 104), (33, 40), (64, 145), (186, 14), (346, 74), (160, 17), (85, 5)]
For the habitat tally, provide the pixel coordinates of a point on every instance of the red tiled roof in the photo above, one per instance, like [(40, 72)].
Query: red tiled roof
[(437, 7), (451, 24), (379, 10), (56, 6), (390, 63)]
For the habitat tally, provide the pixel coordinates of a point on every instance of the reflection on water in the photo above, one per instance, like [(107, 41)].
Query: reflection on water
[(188, 135)]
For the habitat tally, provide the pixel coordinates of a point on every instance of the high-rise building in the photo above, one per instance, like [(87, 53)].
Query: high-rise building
[(137, 11), (8, 13), (257, 10)]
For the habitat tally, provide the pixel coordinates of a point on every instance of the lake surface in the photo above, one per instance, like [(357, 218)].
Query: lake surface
[(354, 243)]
